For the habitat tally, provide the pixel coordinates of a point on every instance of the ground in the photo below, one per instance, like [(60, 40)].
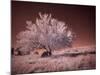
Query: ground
[(82, 58)]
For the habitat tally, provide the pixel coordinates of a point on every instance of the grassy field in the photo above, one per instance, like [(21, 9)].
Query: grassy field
[(83, 58)]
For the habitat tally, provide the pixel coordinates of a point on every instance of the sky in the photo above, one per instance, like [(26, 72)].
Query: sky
[(80, 18)]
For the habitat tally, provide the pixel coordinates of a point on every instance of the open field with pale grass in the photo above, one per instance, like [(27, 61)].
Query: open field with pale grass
[(83, 58)]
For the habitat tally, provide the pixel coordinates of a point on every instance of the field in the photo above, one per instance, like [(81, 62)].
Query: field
[(82, 58)]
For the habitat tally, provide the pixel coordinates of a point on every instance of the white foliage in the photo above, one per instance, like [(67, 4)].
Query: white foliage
[(45, 31)]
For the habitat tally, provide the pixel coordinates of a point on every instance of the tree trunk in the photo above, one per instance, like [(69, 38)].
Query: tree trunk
[(49, 51)]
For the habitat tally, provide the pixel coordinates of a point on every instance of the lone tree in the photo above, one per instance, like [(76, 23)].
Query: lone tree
[(46, 32)]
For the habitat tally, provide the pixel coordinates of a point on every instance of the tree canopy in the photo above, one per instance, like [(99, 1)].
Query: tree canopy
[(47, 32)]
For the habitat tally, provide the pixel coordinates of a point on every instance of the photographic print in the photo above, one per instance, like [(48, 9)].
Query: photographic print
[(52, 37)]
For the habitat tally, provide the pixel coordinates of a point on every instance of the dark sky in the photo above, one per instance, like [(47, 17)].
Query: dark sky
[(80, 18)]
